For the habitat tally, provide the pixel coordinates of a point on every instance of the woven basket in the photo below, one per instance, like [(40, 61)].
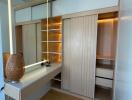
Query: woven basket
[(15, 68)]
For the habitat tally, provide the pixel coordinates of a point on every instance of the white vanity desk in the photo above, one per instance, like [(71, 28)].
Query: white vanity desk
[(33, 84)]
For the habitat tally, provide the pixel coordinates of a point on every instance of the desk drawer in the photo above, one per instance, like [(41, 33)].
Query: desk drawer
[(106, 73), (104, 82)]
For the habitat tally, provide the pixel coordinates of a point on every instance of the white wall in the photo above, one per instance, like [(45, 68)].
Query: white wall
[(123, 84), (61, 7), (4, 44), (4, 26), (1, 64)]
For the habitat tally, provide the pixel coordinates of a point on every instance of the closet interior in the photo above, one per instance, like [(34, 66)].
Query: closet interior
[(105, 54)]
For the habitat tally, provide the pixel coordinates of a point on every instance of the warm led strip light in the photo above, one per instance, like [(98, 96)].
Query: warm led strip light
[(28, 66), (107, 20), (47, 30), (10, 25)]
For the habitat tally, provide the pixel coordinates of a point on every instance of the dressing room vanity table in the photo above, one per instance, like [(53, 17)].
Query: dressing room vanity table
[(33, 82)]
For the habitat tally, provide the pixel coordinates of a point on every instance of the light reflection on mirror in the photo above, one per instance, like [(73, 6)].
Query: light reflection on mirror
[(28, 31)]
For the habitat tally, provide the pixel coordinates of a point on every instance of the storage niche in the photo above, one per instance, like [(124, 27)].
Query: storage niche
[(105, 54), (52, 39)]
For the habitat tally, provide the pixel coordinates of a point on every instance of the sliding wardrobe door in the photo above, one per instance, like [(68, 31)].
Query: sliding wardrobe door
[(89, 55), (29, 43), (66, 54), (77, 31), (80, 35)]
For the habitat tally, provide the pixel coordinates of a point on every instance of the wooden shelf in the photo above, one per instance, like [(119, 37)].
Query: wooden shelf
[(53, 41), (105, 58), (105, 66), (55, 79), (51, 30), (53, 24), (52, 52)]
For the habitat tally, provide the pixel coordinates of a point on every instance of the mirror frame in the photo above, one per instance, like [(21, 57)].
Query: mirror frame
[(11, 18)]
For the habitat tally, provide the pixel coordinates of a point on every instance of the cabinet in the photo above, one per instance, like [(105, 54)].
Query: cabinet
[(80, 35), (52, 39), (33, 13), (106, 52), (23, 15), (106, 48), (40, 11)]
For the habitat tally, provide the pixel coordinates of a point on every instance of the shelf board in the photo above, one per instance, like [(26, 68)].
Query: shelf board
[(51, 30), (56, 84), (52, 41), (57, 79), (52, 52), (104, 58), (53, 24), (105, 66)]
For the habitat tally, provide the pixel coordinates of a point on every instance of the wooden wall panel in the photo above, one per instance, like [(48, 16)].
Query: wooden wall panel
[(107, 33)]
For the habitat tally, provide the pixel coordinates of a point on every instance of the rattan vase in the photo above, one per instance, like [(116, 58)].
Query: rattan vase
[(15, 68)]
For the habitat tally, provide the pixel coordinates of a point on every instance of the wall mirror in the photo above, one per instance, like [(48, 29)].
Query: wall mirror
[(26, 31)]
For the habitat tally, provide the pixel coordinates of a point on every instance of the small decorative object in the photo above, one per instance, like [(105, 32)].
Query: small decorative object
[(47, 64), (15, 68)]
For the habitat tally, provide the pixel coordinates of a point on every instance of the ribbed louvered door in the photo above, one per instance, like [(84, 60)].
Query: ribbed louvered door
[(80, 36)]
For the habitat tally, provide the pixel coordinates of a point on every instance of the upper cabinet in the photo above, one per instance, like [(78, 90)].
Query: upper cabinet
[(33, 13), (40, 11), (23, 15), (62, 7)]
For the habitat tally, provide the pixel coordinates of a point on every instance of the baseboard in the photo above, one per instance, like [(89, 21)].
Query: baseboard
[(72, 94)]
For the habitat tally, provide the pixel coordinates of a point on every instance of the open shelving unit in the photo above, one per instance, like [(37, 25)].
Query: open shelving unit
[(52, 39), (106, 51), (56, 81), (51, 30)]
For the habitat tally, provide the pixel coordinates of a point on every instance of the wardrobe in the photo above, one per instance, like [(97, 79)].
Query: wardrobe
[(89, 49), (80, 36)]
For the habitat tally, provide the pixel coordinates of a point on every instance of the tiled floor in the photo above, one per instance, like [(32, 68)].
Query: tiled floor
[(54, 95)]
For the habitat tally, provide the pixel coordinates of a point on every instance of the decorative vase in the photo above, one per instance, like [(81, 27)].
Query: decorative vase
[(15, 68), (6, 56)]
